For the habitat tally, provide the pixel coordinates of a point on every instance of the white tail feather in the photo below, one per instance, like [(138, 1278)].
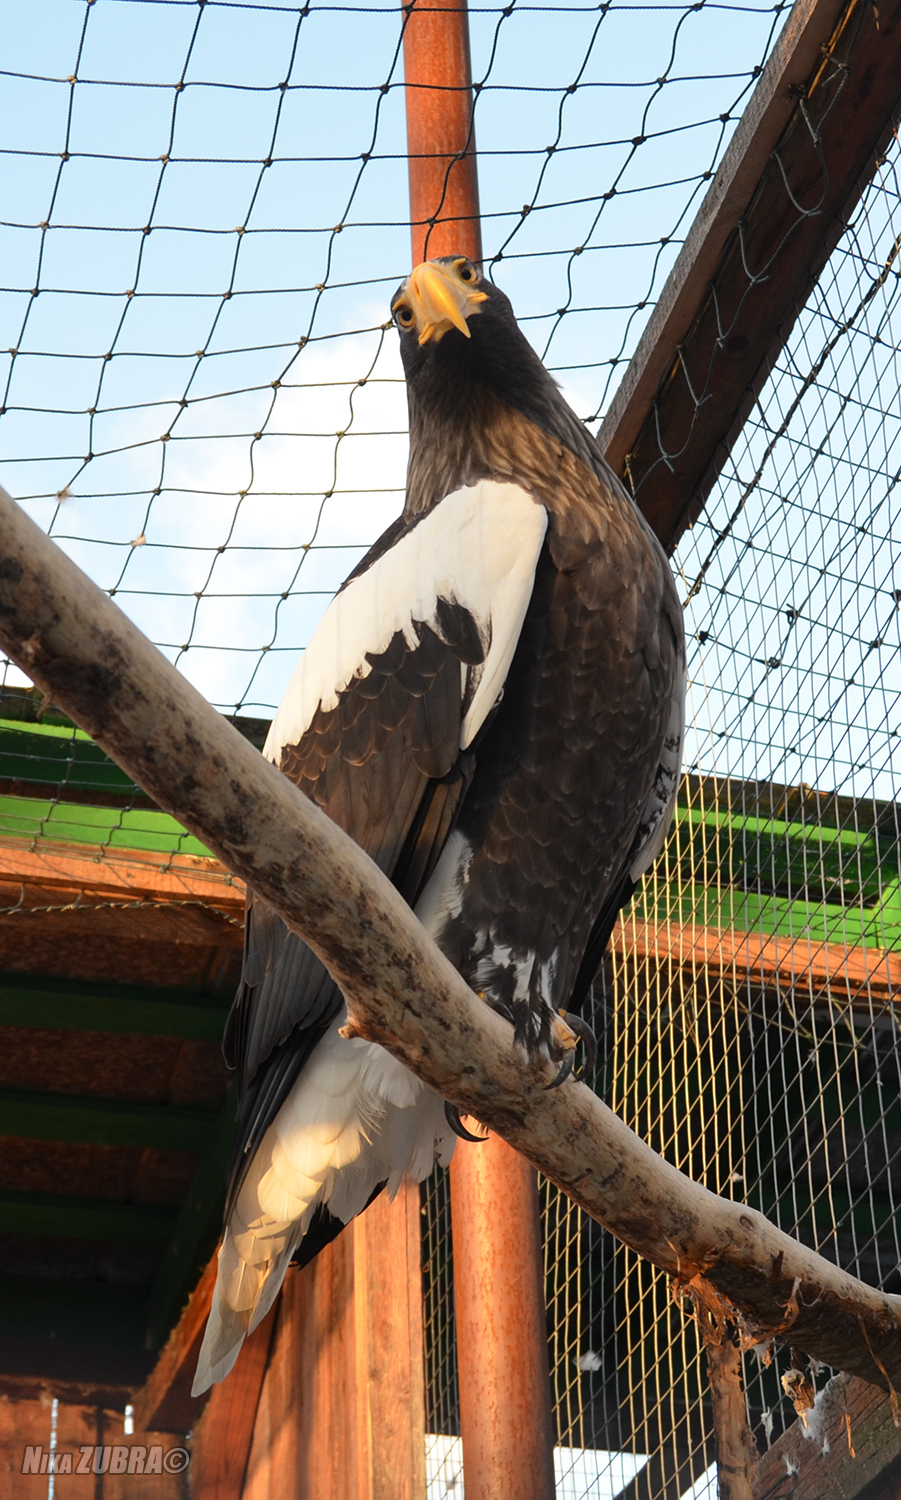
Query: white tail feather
[(355, 1118)]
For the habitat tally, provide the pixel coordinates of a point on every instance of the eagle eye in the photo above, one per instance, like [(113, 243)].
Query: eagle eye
[(468, 272), (404, 316)]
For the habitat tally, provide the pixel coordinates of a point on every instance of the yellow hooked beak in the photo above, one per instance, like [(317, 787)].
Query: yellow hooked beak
[(436, 297)]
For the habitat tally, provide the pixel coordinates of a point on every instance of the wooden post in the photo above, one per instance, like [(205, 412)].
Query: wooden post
[(505, 1405)]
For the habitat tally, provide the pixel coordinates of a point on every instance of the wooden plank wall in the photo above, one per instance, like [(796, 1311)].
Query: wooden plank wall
[(849, 1448), (341, 1404), (27, 1421)]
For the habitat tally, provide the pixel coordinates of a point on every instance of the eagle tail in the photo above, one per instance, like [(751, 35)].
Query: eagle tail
[(356, 1119), (227, 1327)]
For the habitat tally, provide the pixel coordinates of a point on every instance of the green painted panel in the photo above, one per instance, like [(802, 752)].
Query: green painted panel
[(826, 864), (64, 1008), (747, 911), (102, 1122), (52, 753), (113, 827), (83, 1218), (799, 875)]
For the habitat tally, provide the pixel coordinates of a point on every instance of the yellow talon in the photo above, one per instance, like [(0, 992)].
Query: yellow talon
[(564, 1035)]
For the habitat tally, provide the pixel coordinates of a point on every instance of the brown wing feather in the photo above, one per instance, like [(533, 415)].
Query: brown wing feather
[(385, 765)]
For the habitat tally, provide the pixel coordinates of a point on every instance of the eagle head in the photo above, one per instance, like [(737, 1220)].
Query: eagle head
[(438, 295), (467, 364), (459, 337)]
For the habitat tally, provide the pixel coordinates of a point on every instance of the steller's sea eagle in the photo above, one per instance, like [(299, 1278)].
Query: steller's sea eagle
[(493, 707)]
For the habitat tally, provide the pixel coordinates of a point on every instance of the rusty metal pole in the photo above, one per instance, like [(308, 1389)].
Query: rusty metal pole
[(505, 1389), (502, 1351), (444, 187)]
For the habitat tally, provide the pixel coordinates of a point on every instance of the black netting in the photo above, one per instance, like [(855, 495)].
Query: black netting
[(205, 214)]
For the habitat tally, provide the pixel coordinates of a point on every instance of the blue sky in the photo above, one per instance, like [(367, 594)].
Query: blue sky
[(246, 447)]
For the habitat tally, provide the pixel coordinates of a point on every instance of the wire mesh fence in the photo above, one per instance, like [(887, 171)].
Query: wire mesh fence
[(206, 215), (199, 394), (752, 998)]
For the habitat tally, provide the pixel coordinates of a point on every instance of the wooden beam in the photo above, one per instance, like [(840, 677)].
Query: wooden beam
[(121, 874), (808, 142), (41, 923), (122, 1010), (849, 1444), (58, 893), (62, 1217), (794, 963), (768, 111), (103, 1122), (165, 1402)]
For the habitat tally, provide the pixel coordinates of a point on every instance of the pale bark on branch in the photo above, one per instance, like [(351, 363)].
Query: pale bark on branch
[(84, 654)]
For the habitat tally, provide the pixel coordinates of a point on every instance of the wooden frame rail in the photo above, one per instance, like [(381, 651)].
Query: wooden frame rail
[(808, 142)]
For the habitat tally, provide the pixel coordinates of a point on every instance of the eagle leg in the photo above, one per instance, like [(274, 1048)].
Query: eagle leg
[(452, 1115), (498, 1006), (586, 1036), (568, 1035)]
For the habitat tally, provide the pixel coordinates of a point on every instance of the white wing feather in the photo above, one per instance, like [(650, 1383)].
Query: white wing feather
[(478, 548)]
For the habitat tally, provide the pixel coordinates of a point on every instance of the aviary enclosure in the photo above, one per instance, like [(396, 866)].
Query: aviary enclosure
[(695, 211)]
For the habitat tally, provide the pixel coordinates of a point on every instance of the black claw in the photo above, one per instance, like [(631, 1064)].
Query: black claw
[(586, 1036), (452, 1115), (566, 1068)]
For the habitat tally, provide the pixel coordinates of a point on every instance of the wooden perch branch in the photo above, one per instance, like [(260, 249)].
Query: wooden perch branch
[(736, 1452), (401, 991)]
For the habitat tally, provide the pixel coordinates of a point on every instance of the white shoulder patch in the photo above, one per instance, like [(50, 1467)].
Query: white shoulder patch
[(478, 548)]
